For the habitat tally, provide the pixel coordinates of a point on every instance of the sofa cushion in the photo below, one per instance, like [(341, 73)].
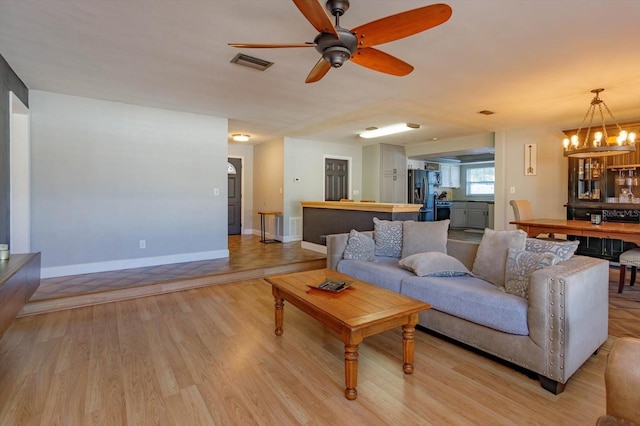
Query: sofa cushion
[(520, 266), (388, 237), (434, 264), (384, 272), (359, 247), (472, 299), (563, 249), (491, 258), (422, 237)]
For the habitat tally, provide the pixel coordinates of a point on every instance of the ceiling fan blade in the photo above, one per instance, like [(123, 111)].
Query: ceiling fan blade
[(321, 68), (264, 46), (317, 16), (378, 60), (401, 25)]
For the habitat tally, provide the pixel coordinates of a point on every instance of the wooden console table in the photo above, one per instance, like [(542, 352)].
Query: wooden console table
[(19, 279)]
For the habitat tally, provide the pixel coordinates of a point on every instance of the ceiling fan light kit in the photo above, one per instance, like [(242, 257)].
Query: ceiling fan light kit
[(337, 45), (602, 145), (375, 132)]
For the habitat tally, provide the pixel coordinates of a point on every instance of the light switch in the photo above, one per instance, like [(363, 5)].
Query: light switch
[(216, 191), (512, 190)]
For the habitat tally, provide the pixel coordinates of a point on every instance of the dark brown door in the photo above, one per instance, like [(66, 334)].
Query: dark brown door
[(336, 179), (234, 180)]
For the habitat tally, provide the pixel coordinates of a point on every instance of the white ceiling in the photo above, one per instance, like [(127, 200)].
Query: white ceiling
[(533, 62)]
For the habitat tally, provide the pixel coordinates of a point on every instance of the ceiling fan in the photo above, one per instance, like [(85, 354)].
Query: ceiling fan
[(337, 45)]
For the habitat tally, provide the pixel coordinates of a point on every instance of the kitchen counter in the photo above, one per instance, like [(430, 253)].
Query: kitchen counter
[(321, 218), (360, 206)]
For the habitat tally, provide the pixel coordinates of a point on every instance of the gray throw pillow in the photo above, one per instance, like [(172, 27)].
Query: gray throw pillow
[(520, 265), (388, 237), (423, 237), (359, 247), (434, 264), (491, 257), (563, 249)]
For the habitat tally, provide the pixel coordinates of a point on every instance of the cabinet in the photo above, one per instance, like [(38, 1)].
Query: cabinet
[(590, 176), (477, 215), (450, 175), (458, 215), (384, 175)]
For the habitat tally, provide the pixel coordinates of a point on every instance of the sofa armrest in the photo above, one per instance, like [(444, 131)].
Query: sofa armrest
[(568, 312)]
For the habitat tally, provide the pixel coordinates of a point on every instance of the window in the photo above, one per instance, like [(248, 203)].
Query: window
[(481, 180)]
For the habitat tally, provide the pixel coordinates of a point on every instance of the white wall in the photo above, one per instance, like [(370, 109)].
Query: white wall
[(106, 175), (547, 190), (304, 159), (245, 152), (268, 172)]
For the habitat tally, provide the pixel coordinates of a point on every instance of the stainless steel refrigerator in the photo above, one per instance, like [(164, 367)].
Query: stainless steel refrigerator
[(422, 186)]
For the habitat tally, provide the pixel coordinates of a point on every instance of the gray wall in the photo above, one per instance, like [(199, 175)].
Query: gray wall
[(106, 175), (9, 81)]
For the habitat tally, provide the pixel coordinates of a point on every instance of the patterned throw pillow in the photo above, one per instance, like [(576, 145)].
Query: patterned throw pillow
[(563, 249), (388, 237), (434, 264), (520, 266), (423, 237), (491, 257), (359, 247)]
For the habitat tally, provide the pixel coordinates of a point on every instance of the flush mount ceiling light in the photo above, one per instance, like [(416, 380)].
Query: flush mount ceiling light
[(374, 132), (601, 145), (239, 137)]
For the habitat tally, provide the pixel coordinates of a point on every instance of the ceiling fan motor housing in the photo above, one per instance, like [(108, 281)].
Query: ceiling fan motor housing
[(337, 7), (334, 50)]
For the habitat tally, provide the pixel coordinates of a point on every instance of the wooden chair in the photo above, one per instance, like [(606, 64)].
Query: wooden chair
[(622, 381), (522, 211)]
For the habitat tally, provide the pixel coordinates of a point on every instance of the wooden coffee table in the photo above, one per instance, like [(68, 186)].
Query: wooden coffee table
[(355, 313)]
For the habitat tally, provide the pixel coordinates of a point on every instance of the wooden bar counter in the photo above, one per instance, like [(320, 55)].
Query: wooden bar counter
[(321, 218)]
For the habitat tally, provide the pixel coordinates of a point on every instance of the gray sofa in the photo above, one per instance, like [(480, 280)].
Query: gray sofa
[(563, 322)]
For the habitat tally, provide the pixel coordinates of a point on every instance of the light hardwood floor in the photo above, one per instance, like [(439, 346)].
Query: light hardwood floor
[(209, 356)]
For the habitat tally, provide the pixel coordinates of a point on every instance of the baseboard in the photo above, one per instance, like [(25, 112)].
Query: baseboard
[(314, 247), (116, 265)]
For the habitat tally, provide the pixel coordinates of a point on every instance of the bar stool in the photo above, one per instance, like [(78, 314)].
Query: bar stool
[(629, 258)]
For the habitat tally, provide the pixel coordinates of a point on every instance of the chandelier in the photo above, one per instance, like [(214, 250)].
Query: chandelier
[(596, 142)]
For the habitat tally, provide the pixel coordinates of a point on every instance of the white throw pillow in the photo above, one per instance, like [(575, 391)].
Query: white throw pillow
[(563, 249), (423, 237), (434, 264), (520, 265), (491, 257), (388, 237), (359, 247)]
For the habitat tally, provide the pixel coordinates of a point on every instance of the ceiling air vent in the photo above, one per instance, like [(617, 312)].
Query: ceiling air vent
[(251, 62)]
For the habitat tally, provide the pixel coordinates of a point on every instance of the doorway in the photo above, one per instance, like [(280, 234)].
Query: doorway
[(336, 179), (234, 182)]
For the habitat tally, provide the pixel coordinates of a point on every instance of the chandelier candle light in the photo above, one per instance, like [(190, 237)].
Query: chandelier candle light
[(601, 145)]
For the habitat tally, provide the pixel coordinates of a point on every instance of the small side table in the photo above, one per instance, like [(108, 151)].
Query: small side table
[(263, 237)]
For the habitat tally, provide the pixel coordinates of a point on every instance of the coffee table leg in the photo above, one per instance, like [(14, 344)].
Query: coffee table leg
[(351, 371), (279, 315), (408, 333)]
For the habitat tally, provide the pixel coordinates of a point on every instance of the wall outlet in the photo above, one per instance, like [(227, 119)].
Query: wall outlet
[(143, 244), (356, 192), (216, 191)]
